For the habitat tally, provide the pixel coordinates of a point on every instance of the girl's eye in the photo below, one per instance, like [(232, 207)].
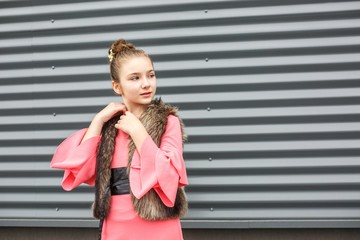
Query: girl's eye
[(151, 75), (134, 78)]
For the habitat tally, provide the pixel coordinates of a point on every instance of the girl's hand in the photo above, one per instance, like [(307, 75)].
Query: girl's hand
[(102, 117), (109, 111), (130, 124)]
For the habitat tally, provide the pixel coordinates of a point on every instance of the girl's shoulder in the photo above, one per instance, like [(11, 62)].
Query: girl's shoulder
[(172, 117), (174, 120)]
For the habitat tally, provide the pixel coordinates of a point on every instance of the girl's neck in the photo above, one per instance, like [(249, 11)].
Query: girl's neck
[(137, 110)]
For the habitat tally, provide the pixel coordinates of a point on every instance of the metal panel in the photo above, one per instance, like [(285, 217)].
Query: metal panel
[(269, 92)]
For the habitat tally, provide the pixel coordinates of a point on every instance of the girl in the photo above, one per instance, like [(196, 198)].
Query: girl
[(132, 152)]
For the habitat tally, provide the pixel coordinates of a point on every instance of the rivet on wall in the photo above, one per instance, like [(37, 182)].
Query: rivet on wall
[(210, 159), (54, 114), (206, 59), (52, 20), (206, 11), (53, 67), (209, 109)]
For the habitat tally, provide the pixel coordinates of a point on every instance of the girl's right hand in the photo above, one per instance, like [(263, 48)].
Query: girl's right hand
[(102, 117), (109, 111)]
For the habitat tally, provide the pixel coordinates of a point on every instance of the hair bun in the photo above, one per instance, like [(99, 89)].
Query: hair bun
[(119, 46)]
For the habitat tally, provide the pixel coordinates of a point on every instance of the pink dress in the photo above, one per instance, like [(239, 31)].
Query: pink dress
[(160, 168)]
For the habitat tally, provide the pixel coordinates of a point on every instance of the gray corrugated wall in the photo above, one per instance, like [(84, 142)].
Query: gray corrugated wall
[(269, 92)]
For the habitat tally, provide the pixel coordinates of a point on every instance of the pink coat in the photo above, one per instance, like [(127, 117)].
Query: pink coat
[(160, 168)]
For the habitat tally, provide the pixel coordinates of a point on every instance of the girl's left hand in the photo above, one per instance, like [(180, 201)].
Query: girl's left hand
[(129, 123)]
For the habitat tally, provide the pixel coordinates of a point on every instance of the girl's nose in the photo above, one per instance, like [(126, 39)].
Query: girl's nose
[(145, 83)]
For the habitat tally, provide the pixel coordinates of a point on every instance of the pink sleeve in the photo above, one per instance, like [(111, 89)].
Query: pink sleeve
[(78, 161), (160, 168)]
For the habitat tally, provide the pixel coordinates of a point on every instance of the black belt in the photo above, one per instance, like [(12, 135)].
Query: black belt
[(119, 181), (119, 185)]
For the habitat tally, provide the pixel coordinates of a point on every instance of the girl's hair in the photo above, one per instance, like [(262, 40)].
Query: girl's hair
[(119, 52)]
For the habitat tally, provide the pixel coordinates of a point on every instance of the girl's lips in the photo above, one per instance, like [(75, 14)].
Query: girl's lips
[(146, 94)]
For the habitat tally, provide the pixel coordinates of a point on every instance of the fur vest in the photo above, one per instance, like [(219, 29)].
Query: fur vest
[(150, 206)]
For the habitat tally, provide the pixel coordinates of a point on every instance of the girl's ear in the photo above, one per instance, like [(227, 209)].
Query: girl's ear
[(116, 87)]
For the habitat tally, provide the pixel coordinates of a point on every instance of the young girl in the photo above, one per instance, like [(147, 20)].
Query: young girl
[(132, 152)]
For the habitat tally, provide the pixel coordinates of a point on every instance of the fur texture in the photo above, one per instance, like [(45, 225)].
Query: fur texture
[(103, 166), (150, 206)]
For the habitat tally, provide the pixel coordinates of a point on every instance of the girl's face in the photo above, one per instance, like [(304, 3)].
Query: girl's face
[(137, 83)]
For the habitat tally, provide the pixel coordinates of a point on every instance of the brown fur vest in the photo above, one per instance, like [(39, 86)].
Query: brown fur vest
[(150, 206)]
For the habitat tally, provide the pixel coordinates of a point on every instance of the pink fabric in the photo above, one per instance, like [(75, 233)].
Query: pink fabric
[(160, 168)]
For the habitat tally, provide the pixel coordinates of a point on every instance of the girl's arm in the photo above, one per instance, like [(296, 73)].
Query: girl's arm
[(161, 168), (77, 154)]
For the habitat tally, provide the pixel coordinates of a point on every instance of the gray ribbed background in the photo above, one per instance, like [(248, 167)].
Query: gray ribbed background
[(269, 92)]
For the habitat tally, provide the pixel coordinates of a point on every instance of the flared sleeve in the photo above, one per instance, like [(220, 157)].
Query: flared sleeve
[(77, 159), (160, 168)]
